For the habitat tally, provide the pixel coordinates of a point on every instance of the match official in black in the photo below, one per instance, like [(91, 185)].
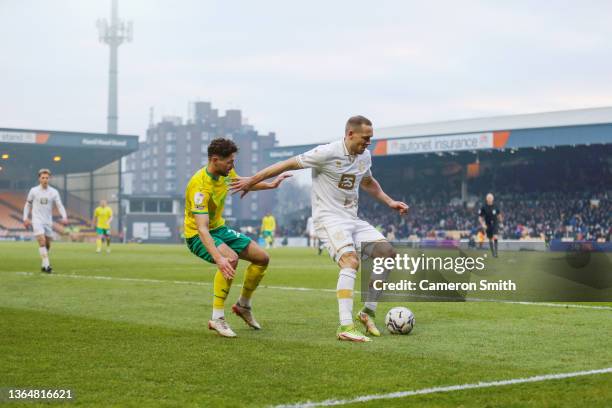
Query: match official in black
[(490, 217)]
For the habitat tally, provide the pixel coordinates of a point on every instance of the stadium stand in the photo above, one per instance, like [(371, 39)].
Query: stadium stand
[(84, 168), (11, 213), (582, 217), (551, 174), (7, 218)]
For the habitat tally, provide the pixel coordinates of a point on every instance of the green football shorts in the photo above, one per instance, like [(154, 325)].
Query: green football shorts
[(102, 231), (221, 235)]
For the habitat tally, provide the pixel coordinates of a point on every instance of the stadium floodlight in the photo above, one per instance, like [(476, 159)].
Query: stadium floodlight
[(5, 156), (114, 33), (57, 158)]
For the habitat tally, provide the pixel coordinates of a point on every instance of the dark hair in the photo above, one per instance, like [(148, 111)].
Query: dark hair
[(44, 171), (356, 121), (221, 147)]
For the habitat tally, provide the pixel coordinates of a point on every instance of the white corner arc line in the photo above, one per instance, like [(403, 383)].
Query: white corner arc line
[(450, 388), (294, 288)]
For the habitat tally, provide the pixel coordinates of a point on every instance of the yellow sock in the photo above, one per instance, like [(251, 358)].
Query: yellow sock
[(221, 288), (253, 275), (98, 244)]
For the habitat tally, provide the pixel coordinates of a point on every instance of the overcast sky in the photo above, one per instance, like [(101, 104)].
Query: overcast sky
[(300, 68)]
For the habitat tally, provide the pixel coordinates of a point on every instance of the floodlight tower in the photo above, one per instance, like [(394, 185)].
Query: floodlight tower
[(114, 34)]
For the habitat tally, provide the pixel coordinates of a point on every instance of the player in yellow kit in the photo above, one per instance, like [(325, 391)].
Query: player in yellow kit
[(210, 239), (268, 227), (103, 215)]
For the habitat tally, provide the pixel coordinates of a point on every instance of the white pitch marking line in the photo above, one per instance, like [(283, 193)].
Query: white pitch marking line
[(450, 388), (177, 282), (114, 278), (296, 289)]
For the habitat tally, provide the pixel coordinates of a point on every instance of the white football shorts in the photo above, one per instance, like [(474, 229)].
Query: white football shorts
[(42, 229), (345, 235)]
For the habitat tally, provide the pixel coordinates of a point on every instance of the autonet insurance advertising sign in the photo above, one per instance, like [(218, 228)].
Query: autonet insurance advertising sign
[(395, 272), (471, 141)]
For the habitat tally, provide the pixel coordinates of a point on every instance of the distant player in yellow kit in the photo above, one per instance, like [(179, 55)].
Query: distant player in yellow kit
[(268, 227), (103, 215)]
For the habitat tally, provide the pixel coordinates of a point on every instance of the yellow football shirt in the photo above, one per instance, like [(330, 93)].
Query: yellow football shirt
[(268, 223), (206, 194), (103, 214)]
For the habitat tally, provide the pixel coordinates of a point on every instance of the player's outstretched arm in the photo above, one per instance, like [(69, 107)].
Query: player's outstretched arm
[(269, 185), (223, 263), (246, 184), (371, 186)]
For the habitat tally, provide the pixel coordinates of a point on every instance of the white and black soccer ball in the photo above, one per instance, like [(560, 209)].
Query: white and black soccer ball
[(399, 320)]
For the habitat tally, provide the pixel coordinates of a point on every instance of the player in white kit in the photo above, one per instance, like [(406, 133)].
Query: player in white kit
[(40, 200), (339, 169)]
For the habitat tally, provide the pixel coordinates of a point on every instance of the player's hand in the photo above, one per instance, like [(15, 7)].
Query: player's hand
[(242, 185), (280, 179), (65, 221), (27, 223), (401, 207), (226, 268)]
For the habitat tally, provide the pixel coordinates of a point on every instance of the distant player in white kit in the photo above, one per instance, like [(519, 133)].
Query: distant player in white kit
[(40, 200), (339, 169)]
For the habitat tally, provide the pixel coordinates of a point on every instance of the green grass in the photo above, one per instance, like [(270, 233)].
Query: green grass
[(119, 342)]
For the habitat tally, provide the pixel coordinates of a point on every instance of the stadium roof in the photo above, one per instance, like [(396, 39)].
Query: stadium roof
[(581, 127), (575, 117), (62, 152)]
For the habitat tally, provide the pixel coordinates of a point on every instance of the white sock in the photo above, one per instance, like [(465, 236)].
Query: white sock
[(371, 305), (218, 314), (244, 301), (44, 255), (344, 291)]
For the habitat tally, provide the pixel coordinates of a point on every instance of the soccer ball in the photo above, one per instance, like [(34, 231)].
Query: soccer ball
[(399, 320)]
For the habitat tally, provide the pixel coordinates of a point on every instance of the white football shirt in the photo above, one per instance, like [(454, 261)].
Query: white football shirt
[(336, 176), (41, 201)]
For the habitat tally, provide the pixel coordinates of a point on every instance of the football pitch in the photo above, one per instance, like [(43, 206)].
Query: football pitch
[(129, 329)]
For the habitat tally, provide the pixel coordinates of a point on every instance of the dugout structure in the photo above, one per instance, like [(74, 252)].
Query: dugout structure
[(84, 167)]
